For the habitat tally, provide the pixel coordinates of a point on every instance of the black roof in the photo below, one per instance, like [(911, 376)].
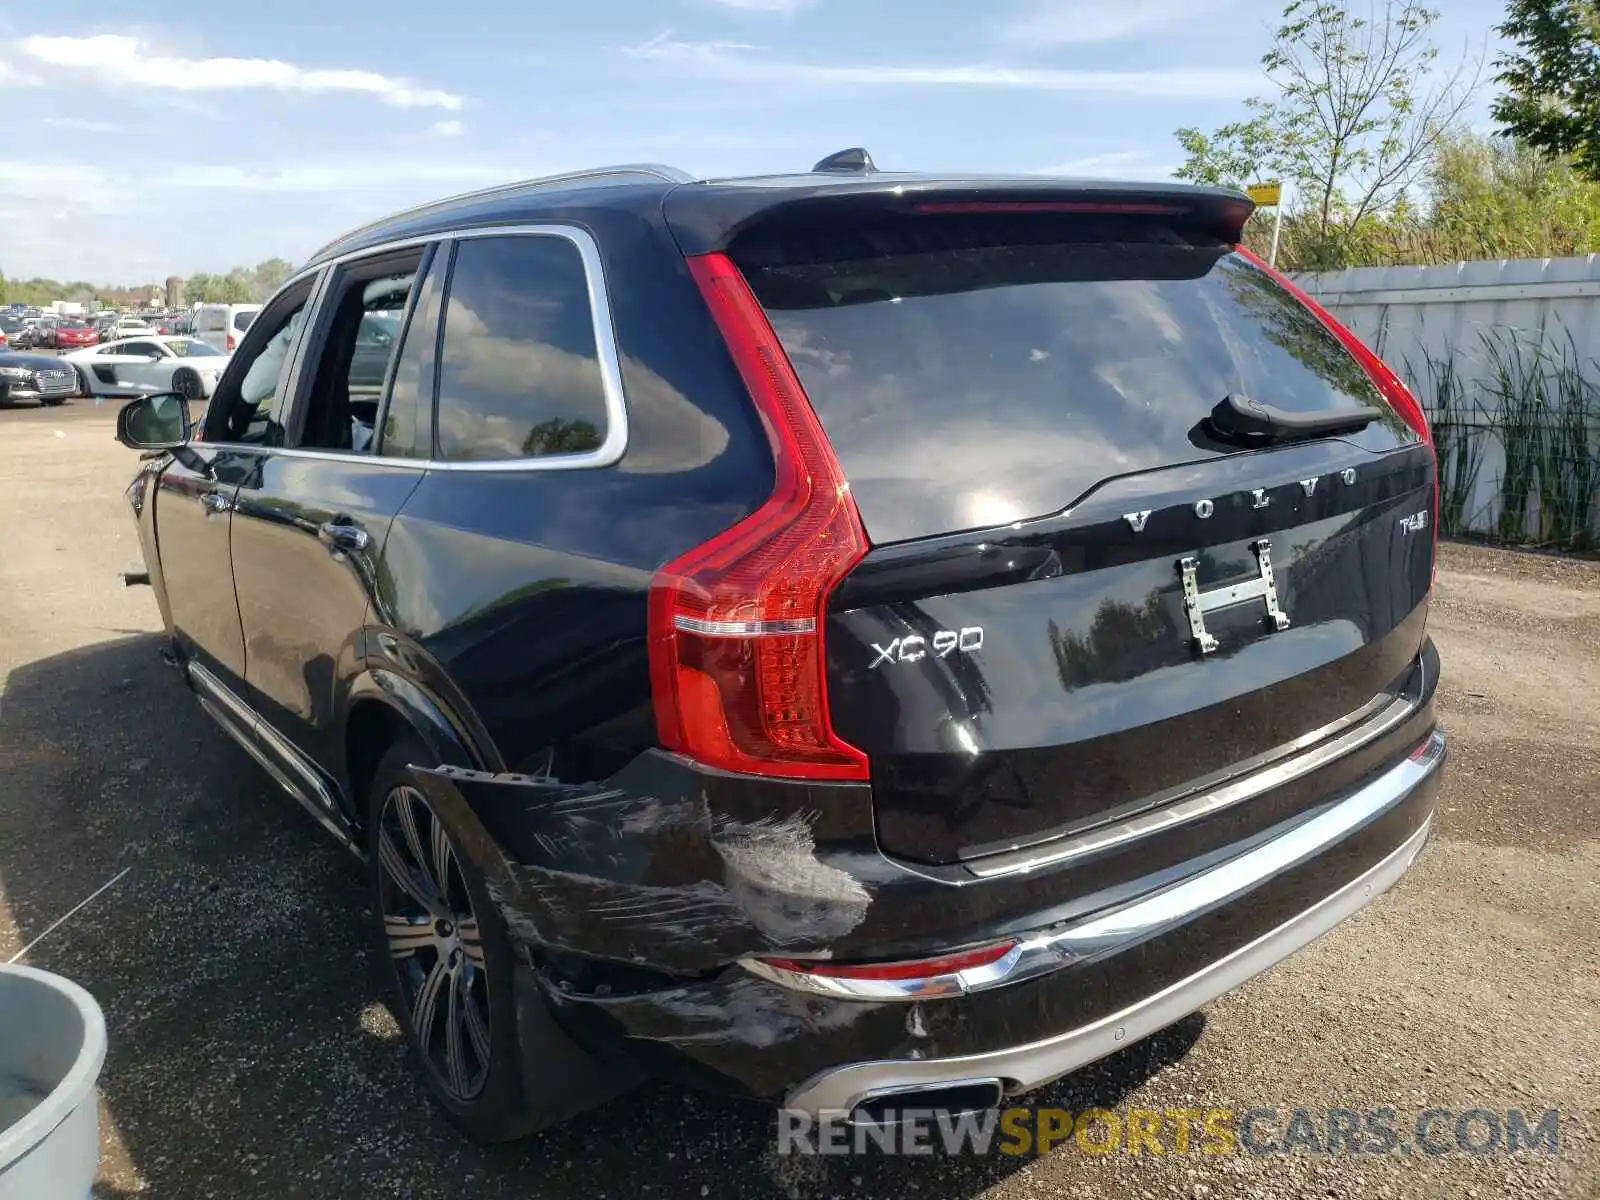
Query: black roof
[(708, 213)]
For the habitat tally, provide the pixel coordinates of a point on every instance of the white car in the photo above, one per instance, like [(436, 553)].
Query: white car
[(223, 325), (137, 366)]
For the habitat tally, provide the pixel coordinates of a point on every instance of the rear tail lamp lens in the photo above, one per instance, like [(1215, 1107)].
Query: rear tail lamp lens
[(737, 666)]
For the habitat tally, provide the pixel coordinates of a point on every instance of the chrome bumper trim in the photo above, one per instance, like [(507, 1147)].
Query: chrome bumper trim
[(1331, 742), (1109, 932), (841, 1089)]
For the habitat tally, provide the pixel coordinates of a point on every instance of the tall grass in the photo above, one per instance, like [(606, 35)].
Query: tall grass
[(1518, 382), (1569, 469), (1545, 420), (1457, 425)]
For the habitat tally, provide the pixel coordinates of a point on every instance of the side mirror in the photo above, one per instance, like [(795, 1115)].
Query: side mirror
[(155, 358), (156, 422)]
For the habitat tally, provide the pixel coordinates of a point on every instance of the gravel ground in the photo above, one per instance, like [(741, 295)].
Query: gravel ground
[(251, 1054)]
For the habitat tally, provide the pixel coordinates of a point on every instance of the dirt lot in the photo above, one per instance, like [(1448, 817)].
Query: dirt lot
[(251, 1054)]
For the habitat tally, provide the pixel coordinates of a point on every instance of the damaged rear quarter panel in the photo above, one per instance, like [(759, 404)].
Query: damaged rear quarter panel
[(670, 867)]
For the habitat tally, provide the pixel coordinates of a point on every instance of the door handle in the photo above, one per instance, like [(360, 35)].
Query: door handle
[(337, 535), (215, 502)]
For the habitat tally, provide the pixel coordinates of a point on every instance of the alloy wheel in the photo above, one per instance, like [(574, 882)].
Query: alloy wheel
[(435, 942)]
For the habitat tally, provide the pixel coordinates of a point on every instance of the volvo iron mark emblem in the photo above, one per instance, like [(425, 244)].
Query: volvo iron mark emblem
[(1196, 604)]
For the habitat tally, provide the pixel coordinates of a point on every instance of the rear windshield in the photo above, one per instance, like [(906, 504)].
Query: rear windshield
[(967, 379)]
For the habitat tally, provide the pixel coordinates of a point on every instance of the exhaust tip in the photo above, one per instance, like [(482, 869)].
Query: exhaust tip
[(888, 1106)]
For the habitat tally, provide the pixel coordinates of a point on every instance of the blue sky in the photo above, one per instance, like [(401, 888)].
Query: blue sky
[(217, 134)]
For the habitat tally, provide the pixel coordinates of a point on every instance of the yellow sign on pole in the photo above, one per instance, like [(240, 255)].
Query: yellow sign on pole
[(1266, 193)]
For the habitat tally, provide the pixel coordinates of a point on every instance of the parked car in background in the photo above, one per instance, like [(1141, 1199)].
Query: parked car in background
[(40, 378), (150, 363), (74, 334), (44, 333), (26, 337), (130, 327), (224, 325), (11, 331)]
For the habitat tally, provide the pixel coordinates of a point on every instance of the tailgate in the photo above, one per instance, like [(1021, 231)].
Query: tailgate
[(1085, 595)]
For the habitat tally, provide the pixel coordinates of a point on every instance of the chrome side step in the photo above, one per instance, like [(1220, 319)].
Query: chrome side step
[(1368, 724), (289, 768)]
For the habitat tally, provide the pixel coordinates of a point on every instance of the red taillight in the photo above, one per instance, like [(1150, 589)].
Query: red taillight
[(737, 669), (231, 343), (921, 968), (1390, 386)]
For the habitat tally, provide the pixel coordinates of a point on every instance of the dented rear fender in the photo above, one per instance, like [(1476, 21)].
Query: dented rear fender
[(666, 865)]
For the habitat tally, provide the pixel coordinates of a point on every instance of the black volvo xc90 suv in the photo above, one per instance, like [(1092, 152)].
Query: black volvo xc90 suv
[(845, 638)]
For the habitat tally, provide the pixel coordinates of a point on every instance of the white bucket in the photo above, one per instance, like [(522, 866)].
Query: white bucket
[(52, 1046)]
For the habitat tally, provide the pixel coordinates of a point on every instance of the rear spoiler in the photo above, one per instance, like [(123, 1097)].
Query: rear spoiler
[(708, 217)]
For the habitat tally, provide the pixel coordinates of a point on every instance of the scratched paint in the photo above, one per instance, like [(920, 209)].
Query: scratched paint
[(660, 881)]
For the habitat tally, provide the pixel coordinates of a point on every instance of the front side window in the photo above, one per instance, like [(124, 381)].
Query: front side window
[(242, 408), (347, 392), (519, 369)]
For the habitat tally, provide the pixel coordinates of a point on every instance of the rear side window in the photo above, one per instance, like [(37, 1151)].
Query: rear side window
[(967, 380), (241, 320), (519, 370)]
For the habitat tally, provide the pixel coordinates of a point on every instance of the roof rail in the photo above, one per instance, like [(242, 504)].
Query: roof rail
[(641, 171)]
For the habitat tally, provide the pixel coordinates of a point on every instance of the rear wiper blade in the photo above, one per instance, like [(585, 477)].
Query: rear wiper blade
[(1240, 417)]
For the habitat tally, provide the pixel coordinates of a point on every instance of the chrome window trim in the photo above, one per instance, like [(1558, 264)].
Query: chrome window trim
[(611, 448)]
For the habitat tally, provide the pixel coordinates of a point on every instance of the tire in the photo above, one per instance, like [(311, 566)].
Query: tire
[(483, 1090), (52, 401), (187, 384)]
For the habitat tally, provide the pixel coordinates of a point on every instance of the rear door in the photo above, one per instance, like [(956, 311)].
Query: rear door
[(1089, 591)]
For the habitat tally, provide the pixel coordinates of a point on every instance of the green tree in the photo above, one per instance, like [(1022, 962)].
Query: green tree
[(3, 298), (1233, 156), (268, 275), (1358, 106), (236, 287), (195, 287), (1552, 79), (1499, 198)]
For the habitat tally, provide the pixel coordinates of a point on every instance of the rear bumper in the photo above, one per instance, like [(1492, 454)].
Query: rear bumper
[(639, 901), (1024, 1067)]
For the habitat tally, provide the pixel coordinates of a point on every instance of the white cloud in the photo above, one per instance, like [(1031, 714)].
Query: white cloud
[(1049, 23), (118, 59), (81, 126), (446, 129), (738, 62), (84, 182), (782, 8), (11, 77), (1113, 164)]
